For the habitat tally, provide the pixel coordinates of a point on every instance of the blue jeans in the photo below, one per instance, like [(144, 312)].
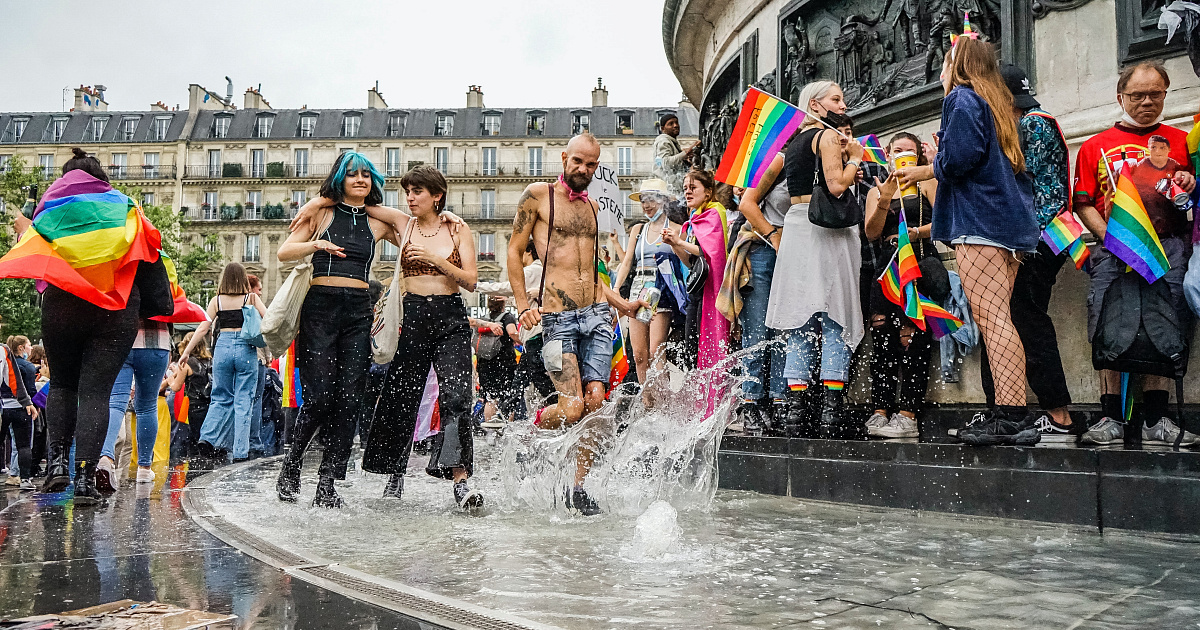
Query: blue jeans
[(253, 435), (586, 333), (753, 319), (823, 335), (234, 378), (144, 367)]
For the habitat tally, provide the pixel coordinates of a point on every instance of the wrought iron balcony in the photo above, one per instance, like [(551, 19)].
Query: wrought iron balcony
[(141, 172), (267, 170)]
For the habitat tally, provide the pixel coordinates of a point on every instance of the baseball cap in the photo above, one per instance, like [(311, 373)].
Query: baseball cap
[(1018, 83)]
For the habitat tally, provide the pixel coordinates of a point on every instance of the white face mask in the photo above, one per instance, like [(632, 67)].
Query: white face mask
[(1129, 121)]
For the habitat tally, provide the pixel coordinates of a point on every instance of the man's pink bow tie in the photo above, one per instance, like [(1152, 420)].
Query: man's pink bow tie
[(571, 194)]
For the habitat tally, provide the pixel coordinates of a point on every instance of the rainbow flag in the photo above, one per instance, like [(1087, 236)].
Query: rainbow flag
[(941, 322), (872, 150), (620, 363), (1079, 253), (1130, 236), (1193, 144), (907, 259), (290, 375), (186, 312), (1064, 230), (890, 282), (764, 125), (86, 239)]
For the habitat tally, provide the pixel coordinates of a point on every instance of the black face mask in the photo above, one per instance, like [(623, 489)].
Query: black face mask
[(835, 120)]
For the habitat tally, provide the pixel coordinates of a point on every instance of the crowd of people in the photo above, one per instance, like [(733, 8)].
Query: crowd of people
[(711, 270)]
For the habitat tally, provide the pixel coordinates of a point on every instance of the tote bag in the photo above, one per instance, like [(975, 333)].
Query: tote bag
[(282, 321), (251, 331), (389, 313)]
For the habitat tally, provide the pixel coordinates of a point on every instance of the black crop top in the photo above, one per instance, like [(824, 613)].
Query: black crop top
[(232, 318), (799, 163), (350, 230)]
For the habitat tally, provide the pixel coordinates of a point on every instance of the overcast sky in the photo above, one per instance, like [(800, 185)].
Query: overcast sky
[(325, 54)]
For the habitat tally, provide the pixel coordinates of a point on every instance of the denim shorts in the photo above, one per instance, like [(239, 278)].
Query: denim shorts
[(586, 333)]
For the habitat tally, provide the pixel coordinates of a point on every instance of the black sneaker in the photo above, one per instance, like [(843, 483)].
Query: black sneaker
[(1052, 431), (583, 503), (751, 415), (997, 429), (394, 487), (466, 498), (977, 420)]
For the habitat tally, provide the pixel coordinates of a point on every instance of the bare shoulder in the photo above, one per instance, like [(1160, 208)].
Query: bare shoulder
[(529, 207)]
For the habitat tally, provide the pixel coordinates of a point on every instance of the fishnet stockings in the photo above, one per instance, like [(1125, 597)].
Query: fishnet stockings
[(988, 274)]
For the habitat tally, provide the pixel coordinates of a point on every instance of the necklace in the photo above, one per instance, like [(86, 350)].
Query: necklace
[(435, 232)]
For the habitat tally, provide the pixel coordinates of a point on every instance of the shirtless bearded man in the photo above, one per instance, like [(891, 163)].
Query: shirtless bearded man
[(577, 327)]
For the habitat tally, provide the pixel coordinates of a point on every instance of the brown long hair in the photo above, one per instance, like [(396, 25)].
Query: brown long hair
[(973, 64), (234, 280)]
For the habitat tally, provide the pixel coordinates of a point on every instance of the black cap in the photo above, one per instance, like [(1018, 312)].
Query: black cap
[(662, 122), (1018, 83)]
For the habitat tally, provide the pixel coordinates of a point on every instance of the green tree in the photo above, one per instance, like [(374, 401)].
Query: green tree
[(189, 261), (18, 297)]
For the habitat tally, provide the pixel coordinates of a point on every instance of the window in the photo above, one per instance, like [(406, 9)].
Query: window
[(262, 125), (489, 160), (535, 123), (350, 124), (162, 124), (257, 163), (392, 163), (58, 126), (210, 208), (626, 202), (299, 198), (147, 199), (624, 122), (220, 127), (491, 124), (624, 160), (15, 130), (253, 205), (150, 165), (46, 161), (214, 162), (128, 128), (487, 204), (535, 160), (391, 198), (301, 162), (96, 128), (4, 161), (445, 125), (389, 252), (210, 246), (308, 124), (250, 251), (120, 163), (487, 246), (580, 122), (396, 123), (441, 158)]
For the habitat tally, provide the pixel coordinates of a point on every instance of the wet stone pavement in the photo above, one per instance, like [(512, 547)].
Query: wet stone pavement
[(140, 545)]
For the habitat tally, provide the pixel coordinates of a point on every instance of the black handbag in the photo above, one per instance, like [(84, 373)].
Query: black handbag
[(697, 275), (154, 285), (827, 211)]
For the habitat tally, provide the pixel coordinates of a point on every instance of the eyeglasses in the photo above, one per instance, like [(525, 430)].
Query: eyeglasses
[(1138, 97)]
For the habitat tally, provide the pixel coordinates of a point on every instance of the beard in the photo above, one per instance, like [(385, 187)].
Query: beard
[(577, 182)]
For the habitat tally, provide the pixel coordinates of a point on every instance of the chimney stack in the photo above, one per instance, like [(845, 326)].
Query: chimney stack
[(158, 107), (475, 96), (375, 99), (199, 98), (89, 99), (254, 100), (600, 94)]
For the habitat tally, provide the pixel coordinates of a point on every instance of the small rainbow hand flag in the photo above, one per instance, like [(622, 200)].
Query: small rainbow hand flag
[(1064, 230), (941, 322), (906, 296), (890, 283), (1130, 236), (764, 125), (872, 150), (1079, 253)]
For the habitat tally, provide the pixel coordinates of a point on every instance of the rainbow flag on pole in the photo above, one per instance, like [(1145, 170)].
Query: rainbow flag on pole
[(290, 375), (873, 150), (906, 261), (1130, 236), (1065, 233), (890, 282), (941, 322), (620, 363), (763, 126)]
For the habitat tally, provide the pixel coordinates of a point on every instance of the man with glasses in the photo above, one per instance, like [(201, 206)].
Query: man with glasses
[(1141, 92)]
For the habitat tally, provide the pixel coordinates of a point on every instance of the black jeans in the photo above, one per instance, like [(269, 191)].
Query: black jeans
[(894, 367), (333, 352), (21, 426), (435, 333), (1030, 307), (85, 346)]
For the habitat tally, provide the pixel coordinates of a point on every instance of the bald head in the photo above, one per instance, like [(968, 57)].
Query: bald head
[(580, 161)]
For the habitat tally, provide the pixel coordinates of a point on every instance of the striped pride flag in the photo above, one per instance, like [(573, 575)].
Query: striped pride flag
[(1129, 234), (763, 127), (890, 282), (620, 363), (873, 150), (1065, 233), (940, 321), (289, 374)]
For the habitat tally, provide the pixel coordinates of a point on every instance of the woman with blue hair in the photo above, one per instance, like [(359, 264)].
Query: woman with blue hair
[(339, 230)]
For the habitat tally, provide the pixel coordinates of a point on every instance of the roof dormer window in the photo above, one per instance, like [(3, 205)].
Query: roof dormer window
[(351, 121)]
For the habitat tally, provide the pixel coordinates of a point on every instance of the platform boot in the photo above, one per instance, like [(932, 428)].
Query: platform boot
[(85, 484), (327, 496), (833, 423), (58, 474), (288, 484), (798, 422)]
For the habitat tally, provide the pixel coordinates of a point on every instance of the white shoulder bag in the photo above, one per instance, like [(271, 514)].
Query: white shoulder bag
[(389, 311), (282, 321)]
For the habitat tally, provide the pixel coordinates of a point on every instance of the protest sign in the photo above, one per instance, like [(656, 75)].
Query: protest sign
[(607, 195)]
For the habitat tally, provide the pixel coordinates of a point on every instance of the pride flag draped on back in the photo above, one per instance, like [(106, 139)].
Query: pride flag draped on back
[(763, 127), (1130, 236), (86, 239)]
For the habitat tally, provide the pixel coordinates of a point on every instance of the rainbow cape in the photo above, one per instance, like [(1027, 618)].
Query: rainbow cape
[(872, 150), (1130, 236), (941, 322), (86, 239), (763, 126), (1066, 233), (620, 363)]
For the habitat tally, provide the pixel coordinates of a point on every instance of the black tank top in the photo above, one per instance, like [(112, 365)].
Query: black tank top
[(799, 163), (350, 230), (231, 318)]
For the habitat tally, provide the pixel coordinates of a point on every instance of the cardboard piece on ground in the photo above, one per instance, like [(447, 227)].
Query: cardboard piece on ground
[(125, 614)]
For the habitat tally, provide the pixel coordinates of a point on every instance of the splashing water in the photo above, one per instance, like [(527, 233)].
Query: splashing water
[(656, 534)]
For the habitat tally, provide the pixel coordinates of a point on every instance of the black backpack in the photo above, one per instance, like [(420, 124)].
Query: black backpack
[(198, 386), (1139, 331)]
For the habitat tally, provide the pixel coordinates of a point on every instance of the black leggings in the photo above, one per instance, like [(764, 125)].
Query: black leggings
[(85, 346), (333, 352), (894, 366), (21, 425), (435, 333)]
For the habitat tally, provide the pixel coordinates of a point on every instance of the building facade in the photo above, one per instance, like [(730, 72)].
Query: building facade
[(240, 173)]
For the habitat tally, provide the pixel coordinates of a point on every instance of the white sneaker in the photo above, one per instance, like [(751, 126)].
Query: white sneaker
[(27, 485), (899, 426), (1106, 431), (145, 475), (877, 420), (1165, 431)]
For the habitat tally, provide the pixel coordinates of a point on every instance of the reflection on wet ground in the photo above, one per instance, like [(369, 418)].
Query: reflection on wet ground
[(747, 561), (140, 545)]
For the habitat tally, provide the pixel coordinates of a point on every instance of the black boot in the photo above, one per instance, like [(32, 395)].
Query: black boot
[(467, 499), (288, 484), (394, 487), (835, 425), (58, 475), (327, 496), (776, 415), (85, 484), (799, 420)]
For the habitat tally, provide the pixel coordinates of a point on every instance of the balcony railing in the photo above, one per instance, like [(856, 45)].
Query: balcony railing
[(280, 170), (481, 212), (268, 170), (141, 172), (236, 212)]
